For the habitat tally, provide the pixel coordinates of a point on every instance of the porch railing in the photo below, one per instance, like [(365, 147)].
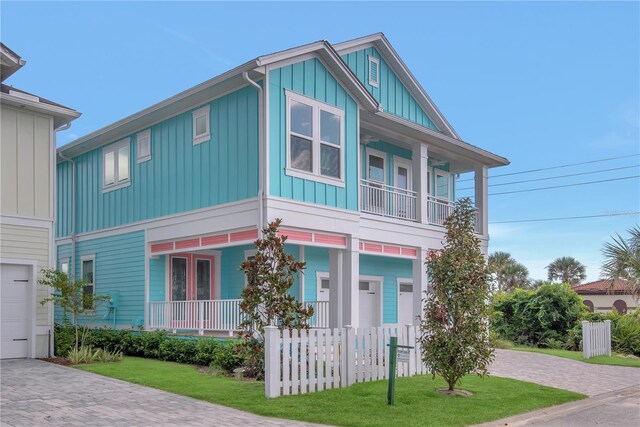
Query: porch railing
[(208, 315), (380, 199), (320, 317), (439, 209)]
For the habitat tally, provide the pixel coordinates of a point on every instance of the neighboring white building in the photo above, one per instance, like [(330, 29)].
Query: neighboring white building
[(27, 212)]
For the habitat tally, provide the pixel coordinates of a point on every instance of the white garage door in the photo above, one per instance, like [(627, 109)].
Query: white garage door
[(15, 282)]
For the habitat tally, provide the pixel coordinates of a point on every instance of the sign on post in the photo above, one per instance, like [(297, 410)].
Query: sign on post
[(401, 354)]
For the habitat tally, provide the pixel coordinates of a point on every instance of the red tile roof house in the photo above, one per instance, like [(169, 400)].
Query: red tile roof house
[(600, 296)]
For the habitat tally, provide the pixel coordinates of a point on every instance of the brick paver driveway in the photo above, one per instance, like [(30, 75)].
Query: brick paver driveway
[(36, 393), (563, 373)]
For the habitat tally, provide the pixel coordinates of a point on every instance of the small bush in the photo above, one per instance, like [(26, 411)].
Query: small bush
[(86, 354), (150, 343), (64, 339), (177, 350), (206, 350), (226, 356), (625, 334)]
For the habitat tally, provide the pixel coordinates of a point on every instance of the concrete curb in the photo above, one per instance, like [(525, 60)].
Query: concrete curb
[(553, 412)]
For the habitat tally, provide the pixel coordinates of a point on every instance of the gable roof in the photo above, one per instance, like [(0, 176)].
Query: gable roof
[(603, 287), (380, 42)]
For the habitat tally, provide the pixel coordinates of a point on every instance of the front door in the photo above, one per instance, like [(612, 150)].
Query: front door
[(369, 304), (191, 280), (405, 303)]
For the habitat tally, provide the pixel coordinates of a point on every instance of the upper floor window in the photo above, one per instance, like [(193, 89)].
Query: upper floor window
[(201, 125), (314, 140), (374, 71), (115, 165), (143, 140)]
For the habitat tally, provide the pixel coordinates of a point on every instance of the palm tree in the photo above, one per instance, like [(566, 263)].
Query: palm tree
[(515, 275), (567, 269), (622, 260), (509, 274)]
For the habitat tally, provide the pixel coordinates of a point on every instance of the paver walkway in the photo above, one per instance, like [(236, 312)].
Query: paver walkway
[(36, 393), (553, 371)]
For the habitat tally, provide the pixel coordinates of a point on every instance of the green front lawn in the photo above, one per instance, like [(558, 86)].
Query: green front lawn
[(364, 404), (615, 359)]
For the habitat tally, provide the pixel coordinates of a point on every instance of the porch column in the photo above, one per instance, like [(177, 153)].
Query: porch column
[(335, 288), (481, 197), (350, 283), (419, 167), (419, 284)]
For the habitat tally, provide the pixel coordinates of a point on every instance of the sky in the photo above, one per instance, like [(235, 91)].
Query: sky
[(544, 84)]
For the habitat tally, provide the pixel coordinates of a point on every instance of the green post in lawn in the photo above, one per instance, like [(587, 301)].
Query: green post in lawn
[(393, 353)]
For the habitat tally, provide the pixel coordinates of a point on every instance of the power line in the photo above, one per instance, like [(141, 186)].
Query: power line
[(554, 177), (566, 185), (559, 166), (568, 217)]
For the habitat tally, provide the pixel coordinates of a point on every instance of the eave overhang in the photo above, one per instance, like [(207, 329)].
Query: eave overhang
[(61, 115)]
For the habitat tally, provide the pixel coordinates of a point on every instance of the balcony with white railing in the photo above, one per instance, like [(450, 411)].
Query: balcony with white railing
[(381, 199), (439, 209)]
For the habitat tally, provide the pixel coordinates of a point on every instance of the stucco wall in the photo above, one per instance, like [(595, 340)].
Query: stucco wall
[(603, 303)]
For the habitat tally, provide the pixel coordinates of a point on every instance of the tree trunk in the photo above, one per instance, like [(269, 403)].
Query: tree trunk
[(452, 385)]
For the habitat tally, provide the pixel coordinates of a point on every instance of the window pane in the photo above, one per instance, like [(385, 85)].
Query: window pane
[(402, 178), (64, 267), (376, 168), (143, 147), (109, 168), (329, 127), (87, 271), (123, 163), (178, 279), (201, 125), (442, 186), (203, 279), (324, 284), (301, 154), (301, 118), (329, 161)]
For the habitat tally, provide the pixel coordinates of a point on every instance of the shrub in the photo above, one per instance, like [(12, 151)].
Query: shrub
[(86, 354), (625, 333), (177, 350), (150, 342), (540, 318), (206, 350), (226, 357), (64, 339)]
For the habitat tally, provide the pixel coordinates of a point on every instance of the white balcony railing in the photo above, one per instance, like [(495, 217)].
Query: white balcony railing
[(439, 209), (320, 317), (210, 315), (380, 199)]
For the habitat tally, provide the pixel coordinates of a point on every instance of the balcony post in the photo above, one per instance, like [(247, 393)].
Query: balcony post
[(420, 163), (481, 198)]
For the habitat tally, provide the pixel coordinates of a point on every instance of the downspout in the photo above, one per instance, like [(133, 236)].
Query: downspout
[(73, 212), (261, 153)]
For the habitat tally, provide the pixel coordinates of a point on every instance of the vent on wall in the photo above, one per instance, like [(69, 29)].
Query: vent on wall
[(374, 71)]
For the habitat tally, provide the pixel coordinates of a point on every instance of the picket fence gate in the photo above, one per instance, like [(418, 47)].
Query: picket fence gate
[(307, 361), (596, 338)]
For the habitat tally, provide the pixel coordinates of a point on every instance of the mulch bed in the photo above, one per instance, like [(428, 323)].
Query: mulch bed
[(58, 361)]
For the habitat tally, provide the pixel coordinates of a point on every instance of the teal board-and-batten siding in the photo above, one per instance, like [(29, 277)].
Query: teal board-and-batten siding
[(119, 271), (179, 177), (392, 95), (312, 79)]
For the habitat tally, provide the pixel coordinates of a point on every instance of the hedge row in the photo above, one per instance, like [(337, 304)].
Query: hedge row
[(156, 345)]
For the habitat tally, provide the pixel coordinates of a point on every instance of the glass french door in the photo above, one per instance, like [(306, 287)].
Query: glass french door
[(191, 280)]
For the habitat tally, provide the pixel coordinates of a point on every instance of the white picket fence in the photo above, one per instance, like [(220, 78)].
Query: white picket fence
[(596, 338), (321, 359)]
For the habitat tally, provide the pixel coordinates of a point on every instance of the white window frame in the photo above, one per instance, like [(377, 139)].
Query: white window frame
[(247, 254), (66, 261), (383, 156), (405, 163), (373, 60), (140, 137), (114, 148), (202, 112), (316, 106), (83, 258)]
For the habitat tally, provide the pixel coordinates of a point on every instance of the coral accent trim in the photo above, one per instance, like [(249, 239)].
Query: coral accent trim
[(299, 236), (215, 240), (361, 246), (370, 247), (184, 244), (409, 252), (161, 247), (330, 240), (392, 250), (244, 235)]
